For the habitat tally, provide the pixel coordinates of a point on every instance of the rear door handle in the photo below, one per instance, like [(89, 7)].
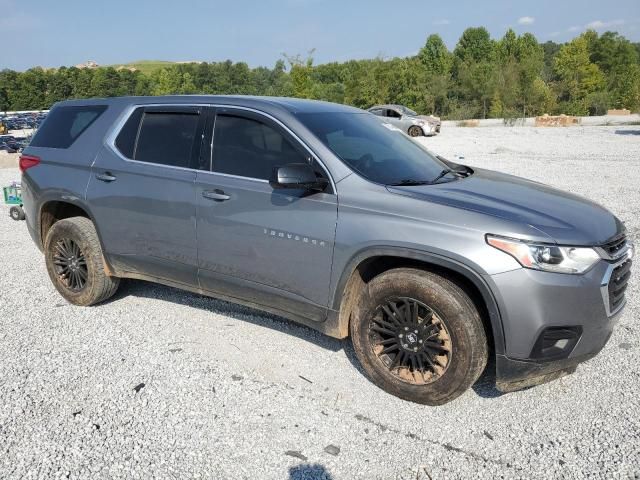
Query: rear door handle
[(105, 177), (217, 195)]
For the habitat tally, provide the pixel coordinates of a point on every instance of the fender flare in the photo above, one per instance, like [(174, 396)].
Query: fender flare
[(76, 201), (469, 273)]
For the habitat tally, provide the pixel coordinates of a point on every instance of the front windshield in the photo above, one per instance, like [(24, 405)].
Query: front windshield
[(376, 150), (408, 111)]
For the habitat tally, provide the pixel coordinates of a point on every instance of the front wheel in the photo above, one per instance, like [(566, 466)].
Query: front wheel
[(419, 336), (75, 264), (415, 131)]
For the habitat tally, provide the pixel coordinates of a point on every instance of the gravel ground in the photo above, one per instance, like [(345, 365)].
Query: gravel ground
[(166, 384)]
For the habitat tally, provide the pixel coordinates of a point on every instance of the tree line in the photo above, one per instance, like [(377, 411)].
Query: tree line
[(511, 77)]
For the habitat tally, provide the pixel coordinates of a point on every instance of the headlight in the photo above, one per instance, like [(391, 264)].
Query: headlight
[(550, 258)]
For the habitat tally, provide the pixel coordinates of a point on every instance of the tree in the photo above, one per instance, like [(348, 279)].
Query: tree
[(618, 59), (579, 76), (477, 84), (435, 56), (475, 44), (530, 58), (168, 81), (187, 84), (512, 77), (300, 73)]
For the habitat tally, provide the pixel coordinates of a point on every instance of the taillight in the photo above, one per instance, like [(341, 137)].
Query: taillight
[(28, 161)]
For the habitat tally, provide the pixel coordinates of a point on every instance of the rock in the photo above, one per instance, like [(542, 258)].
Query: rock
[(296, 454), (332, 450)]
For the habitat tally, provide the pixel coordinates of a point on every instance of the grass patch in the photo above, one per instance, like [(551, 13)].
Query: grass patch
[(146, 66)]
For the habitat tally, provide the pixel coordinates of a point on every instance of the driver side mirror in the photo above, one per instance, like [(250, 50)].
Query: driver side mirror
[(297, 175)]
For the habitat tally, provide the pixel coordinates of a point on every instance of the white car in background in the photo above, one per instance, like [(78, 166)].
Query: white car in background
[(408, 120)]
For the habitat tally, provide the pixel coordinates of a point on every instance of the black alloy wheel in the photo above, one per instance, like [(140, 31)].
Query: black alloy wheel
[(70, 264), (410, 340)]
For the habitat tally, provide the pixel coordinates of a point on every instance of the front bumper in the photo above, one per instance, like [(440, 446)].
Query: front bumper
[(536, 305)]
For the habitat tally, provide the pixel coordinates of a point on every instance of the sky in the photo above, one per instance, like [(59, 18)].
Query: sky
[(67, 32)]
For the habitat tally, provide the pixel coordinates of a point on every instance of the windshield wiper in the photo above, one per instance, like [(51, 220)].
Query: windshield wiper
[(444, 172), (410, 181)]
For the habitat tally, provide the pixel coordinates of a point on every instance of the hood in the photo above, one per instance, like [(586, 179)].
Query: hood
[(567, 218), (430, 118)]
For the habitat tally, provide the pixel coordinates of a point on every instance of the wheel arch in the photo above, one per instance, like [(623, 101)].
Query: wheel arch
[(372, 262), (55, 209)]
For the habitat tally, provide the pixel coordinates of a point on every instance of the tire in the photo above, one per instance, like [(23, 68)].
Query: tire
[(446, 354), (415, 131), (16, 213), (75, 263)]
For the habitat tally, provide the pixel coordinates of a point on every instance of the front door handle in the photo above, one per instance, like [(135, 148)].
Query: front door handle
[(105, 177), (217, 195)]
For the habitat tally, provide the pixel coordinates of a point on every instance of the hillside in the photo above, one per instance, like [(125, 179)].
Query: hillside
[(147, 66)]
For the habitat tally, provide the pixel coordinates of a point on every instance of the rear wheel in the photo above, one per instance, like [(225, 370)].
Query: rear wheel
[(415, 131), (419, 336), (75, 264)]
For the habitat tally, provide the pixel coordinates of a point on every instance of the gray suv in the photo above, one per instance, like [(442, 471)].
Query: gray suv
[(321, 214)]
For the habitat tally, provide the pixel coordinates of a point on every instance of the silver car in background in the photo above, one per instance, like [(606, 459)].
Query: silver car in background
[(408, 120)]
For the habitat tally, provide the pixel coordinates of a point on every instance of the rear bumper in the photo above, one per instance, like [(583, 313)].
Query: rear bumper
[(29, 202)]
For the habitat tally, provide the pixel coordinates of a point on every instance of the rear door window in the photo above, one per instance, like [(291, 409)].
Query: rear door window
[(64, 125), (164, 137)]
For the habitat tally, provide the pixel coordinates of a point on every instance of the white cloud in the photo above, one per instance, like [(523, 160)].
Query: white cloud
[(442, 21), (526, 20), (596, 24)]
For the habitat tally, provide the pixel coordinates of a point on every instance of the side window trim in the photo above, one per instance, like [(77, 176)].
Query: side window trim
[(135, 142), (270, 121), (196, 148), (111, 137)]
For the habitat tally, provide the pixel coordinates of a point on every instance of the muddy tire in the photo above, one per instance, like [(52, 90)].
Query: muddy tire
[(419, 336), (75, 264), (16, 213), (415, 131)]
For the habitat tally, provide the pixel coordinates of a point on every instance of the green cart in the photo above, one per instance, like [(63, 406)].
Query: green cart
[(13, 197)]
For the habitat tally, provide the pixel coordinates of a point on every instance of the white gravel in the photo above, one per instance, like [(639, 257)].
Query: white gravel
[(160, 383)]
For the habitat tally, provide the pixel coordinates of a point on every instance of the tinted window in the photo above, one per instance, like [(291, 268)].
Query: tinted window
[(65, 124), (127, 137), (166, 138), (376, 150), (249, 148)]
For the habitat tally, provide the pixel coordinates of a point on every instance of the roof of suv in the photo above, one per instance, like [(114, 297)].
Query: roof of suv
[(291, 105)]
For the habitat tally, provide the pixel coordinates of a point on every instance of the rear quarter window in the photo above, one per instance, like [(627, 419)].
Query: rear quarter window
[(64, 125)]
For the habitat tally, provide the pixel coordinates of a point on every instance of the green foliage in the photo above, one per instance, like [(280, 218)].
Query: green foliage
[(580, 79), (475, 44), (146, 67), (509, 78), (435, 56), (300, 74)]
